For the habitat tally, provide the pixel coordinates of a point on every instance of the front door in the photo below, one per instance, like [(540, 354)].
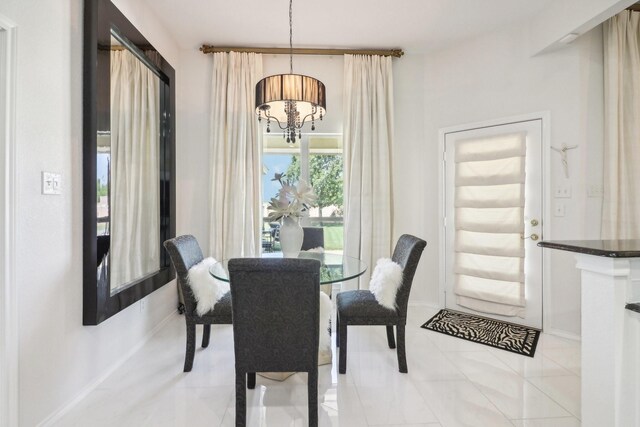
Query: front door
[(493, 221)]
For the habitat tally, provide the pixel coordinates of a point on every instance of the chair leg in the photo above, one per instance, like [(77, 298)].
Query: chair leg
[(191, 346), (402, 357), (342, 365), (390, 338), (206, 334), (313, 397), (338, 330), (241, 399), (251, 380)]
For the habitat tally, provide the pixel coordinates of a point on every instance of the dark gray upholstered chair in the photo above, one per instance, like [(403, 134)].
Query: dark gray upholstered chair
[(185, 253), (276, 307), (313, 238), (360, 307)]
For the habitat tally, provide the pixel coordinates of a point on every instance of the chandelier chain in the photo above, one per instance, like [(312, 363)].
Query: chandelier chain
[(291, 36), (303, 98)]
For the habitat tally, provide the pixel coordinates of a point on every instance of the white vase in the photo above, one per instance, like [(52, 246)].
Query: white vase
[(291, 235)]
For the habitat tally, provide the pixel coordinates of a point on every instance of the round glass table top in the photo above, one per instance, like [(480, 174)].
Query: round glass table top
[(333, 268)]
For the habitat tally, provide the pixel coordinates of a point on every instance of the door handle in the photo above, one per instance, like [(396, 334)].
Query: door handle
[(533, 237)]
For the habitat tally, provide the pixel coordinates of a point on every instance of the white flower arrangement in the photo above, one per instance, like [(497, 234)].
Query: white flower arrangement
[(292, 200)]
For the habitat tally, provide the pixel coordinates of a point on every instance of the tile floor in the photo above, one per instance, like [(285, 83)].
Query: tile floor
[(451, 382)]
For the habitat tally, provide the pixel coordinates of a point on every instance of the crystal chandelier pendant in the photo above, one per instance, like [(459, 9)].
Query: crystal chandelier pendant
[(290, 100)]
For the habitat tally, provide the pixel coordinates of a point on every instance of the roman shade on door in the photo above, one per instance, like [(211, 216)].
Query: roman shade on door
[(489, 224)]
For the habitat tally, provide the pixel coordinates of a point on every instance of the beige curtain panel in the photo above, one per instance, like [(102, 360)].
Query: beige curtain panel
[(235, 150), (368, 148), (489, 221), (135, 176), (621, 203)]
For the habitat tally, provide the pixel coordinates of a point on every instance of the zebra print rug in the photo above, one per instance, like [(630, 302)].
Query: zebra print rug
[(506, 336)]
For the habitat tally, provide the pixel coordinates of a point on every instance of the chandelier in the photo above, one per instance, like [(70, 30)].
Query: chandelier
[(290, 100)]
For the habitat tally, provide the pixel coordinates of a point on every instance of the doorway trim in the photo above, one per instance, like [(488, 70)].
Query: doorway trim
[(9, 403), (545, 118)]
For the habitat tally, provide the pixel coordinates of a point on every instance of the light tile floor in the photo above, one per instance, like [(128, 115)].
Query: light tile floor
[(451, 382)]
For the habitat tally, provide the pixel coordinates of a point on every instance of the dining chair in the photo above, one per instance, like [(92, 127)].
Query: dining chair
[(360, 307), (185, 252), (313, 238), (275, 323)]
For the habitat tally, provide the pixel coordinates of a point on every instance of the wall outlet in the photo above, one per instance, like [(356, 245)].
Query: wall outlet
[(51, 183), (595, 190), (563, 192), (558, 209)]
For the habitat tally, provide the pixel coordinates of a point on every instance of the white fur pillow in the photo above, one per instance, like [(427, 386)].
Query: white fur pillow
[(385, 280), (206, 289), (325, 316)]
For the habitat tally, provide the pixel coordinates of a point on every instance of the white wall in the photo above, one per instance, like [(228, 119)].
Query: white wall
[(493, 77), (59, 356), (415, 196)]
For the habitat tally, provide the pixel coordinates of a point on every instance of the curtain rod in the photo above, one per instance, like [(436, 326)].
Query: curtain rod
[(120, 47), (396, 53)]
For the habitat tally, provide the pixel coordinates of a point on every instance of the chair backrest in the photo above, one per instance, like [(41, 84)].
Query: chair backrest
[(275, 306), (407, 253), (185, 252), (313, 238)]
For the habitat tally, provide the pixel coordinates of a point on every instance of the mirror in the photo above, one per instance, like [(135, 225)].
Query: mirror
[(129, 185)]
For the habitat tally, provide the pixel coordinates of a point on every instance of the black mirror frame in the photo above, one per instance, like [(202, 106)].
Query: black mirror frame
[(98, 303)]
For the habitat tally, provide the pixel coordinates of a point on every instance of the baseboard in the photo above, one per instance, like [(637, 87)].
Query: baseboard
[(425, 304), (563, 334), (64, 409)]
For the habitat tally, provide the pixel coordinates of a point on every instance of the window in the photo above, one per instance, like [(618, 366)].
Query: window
[(318, 160), (103, 184)]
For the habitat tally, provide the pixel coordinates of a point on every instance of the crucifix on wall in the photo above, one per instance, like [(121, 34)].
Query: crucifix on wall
[(563, 157)]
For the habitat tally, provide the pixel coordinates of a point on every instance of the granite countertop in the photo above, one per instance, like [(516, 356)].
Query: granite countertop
[(605, 248)]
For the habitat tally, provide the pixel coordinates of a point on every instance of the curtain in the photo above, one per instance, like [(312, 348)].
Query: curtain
[(489, 222), (236, 147), (621, 203), (135, 180), (368, 143)]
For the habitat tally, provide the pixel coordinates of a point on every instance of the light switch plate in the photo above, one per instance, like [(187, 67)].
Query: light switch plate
[(51, 183), (563, 192)]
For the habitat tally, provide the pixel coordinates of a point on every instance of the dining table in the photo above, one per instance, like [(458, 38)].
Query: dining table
[(334, 267)]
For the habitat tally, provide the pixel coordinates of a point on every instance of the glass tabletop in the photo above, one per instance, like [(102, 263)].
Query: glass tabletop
[(333, 268)]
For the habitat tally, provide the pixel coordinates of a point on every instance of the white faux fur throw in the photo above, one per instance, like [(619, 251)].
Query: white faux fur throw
[(325, 313), (325, 316), (385, 280), (206, 289)]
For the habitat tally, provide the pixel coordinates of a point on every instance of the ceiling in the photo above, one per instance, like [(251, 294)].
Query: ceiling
[(413, 25)]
